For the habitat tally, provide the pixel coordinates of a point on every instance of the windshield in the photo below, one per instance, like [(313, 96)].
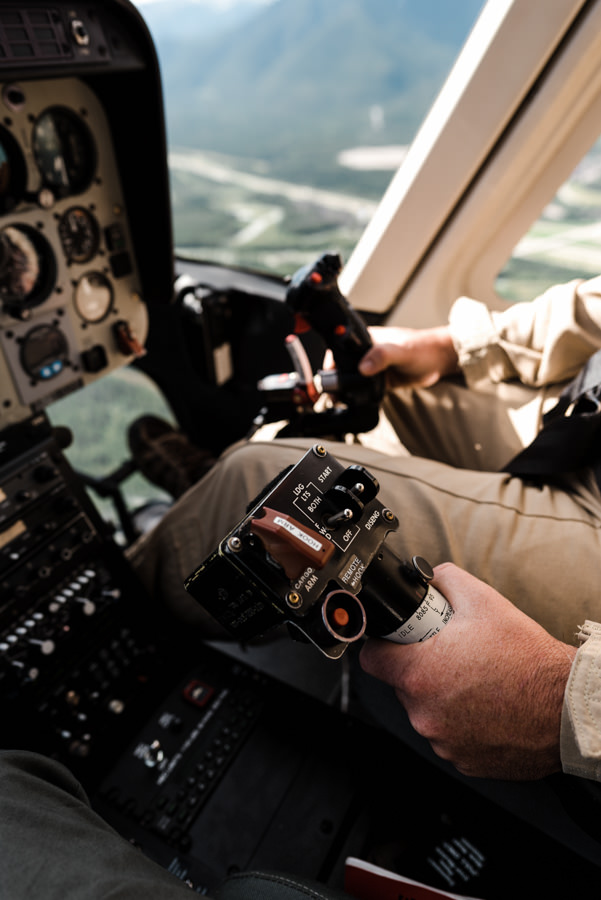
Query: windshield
[(286, 119)]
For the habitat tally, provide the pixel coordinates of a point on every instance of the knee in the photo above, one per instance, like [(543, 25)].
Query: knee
[(249, 468)]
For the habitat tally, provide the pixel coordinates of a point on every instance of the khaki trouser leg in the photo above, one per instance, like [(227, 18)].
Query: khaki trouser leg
[(463, 427), (540, 547)]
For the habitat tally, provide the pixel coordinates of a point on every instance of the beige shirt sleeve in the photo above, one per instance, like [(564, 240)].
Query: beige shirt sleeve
[(581, 716), (545, 341)]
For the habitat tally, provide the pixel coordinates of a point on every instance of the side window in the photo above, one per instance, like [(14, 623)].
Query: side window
[(99, 423), (565, 242)]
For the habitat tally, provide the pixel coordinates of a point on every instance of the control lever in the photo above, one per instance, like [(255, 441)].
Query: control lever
[(311, 553), (317, 303)]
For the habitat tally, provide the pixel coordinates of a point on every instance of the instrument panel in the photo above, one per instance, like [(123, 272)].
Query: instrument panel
[(71, 307)]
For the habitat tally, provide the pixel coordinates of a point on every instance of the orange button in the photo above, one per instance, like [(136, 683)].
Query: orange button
[(341, 617)]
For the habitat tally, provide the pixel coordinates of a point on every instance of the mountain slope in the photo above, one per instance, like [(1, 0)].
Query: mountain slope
[(301, 75)]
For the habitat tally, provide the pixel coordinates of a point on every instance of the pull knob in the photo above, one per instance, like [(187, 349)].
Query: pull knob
[(153, 754), (45, 647)]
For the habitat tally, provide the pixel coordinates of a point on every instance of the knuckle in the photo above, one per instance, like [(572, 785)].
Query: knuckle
[(424, 724), (413, 684)]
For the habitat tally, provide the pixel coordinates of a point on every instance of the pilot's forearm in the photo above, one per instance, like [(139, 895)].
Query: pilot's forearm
[(543, 342)]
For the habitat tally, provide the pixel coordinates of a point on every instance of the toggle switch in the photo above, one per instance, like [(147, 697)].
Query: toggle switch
[(292, 545)]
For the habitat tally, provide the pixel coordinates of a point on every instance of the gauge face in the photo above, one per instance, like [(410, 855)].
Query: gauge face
[(64, 150), (80, 234), (44, 352), (93, 297), (12, 172), (27, 268)]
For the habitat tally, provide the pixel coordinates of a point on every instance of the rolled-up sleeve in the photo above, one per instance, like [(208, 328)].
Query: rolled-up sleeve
[(581, 717), (543, 342)]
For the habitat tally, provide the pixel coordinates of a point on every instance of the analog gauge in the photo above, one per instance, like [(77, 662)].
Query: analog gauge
[(64, 150), (44, 352), (80, 234), (12, 172), (93, 297), (27, 269)]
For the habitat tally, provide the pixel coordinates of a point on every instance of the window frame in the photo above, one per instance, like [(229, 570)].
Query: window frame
[(520, 108)]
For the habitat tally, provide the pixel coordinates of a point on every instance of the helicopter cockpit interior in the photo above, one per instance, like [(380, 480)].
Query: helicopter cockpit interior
[(207, 764)]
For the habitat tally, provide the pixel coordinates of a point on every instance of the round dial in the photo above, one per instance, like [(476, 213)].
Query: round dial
[(80, 234), (27, 268), (12, 172), (64, 150), (93, 296), (44, 352)]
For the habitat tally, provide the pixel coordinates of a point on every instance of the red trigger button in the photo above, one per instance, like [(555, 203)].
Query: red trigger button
[(301, 326)]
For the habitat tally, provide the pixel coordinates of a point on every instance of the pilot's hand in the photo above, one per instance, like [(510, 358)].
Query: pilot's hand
[(419, 357), (487, 691)]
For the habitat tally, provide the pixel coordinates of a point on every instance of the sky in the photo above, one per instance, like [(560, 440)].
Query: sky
[(218, 4)]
